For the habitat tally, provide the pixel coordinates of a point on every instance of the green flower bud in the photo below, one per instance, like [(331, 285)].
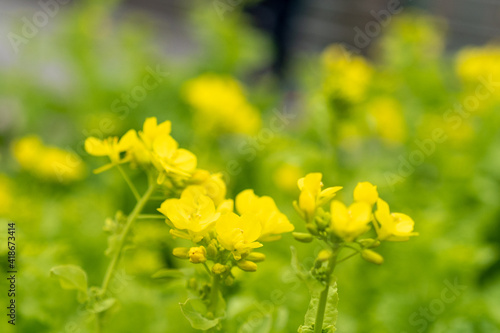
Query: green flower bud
[(247, 266), (372, 256), (303, 237), (212, 251), (229, 280), (311, 227), (256, 256), (181, 252), (369, 243)]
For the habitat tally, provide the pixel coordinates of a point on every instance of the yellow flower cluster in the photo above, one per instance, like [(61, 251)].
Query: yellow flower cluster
[(47, 162), (212, 223), (475, 62), (220, 105), (347, 76), (151, 147), (345, 224)]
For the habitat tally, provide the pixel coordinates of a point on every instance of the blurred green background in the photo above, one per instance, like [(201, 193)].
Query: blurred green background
[(411, 116)]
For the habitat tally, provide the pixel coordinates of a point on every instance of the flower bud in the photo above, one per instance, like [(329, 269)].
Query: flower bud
[(369, 243), (256, 256), (372, 256), (324, 255), (229, 280), (212, 250), (303, 237), (311, 227), (181, 252), (247, 266), (197, 255), (219, 268), (199, 176)]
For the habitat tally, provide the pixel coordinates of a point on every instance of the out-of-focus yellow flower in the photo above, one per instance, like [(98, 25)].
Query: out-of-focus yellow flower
[(350, 222), (474, 62), (286, 176), (197, 255), (47, 162), (216, 188), (112, 146), (220, 104), (389, 120), (366, 192), (311, 195), (264, 210), (392, 227), (238, 234), (172, 159), (193, 215), (348, 76), (6, 197)]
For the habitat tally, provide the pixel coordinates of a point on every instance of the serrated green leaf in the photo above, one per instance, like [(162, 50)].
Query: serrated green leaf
[(72, 277), (331, 312), (195, 310)]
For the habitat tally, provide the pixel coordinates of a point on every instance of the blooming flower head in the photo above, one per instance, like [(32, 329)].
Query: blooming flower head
[(47, 162), (264, 210), (392, 226), (350, 222), (238, 234), (366, 192), (151, 130), (311, 195), (193, 215), (220, 105), (170, 159), (111, 147)]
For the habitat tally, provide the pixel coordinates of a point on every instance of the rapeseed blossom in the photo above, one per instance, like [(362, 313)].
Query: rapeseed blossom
[(392, 226), (220, 105), (47, 162)]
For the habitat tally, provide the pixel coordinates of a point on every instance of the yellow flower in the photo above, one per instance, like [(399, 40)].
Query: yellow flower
[(392, 227), (311, 195), (197, 255), (47, 162), (389, 120), (216, 188), (111, 147), (349, 223), (366, 192), (238, 234), (151, 130), (348, 76), (264, 210), (220, 105), (194, 212), (171, 159)]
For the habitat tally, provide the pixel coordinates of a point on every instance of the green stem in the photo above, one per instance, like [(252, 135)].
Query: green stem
[(320, 315), (214, 293), (129, 182), (151, 217), (123, 236)]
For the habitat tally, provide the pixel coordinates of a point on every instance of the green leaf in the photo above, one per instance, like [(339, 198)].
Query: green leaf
[(331, 312), (103, 305), (195, 310), (72, 277)]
